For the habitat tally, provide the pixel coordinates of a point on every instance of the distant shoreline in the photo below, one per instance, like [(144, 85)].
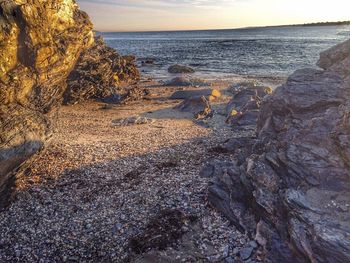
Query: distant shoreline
[(316, 24), (340, 23)]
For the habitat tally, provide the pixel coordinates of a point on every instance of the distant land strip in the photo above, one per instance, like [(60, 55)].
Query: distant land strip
[(339, 23)]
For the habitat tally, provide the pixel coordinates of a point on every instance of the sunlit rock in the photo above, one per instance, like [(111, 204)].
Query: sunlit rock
[(40, 42), (98, 74)]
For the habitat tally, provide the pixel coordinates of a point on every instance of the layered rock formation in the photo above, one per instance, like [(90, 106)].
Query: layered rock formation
[(41, 42), (292, 188), (98, 74)]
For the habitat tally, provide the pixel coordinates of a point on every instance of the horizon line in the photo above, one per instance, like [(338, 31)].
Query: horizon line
[(327, 23)]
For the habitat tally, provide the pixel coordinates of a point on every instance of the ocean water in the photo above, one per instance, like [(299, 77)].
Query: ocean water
[(262, 52)]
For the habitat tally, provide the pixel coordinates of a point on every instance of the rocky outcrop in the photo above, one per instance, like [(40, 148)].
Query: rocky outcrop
[(291, 190), (40, 42), (337, 60), (99, 74), (45, 46)]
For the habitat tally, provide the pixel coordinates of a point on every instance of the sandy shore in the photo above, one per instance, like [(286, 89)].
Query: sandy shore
[(105, 193)]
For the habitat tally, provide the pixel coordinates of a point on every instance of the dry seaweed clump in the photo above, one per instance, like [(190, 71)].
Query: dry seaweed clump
[(162, 231)]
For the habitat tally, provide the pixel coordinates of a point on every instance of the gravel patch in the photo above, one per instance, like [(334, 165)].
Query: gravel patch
[(106, 193)]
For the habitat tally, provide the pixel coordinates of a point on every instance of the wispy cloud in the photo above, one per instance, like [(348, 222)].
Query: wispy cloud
[(164, 3), (201, 14)]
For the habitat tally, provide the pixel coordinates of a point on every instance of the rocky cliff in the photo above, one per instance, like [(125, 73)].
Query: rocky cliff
[(292, 189), (41, 42)]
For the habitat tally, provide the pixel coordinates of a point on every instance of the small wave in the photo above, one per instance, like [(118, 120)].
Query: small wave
[(344, 33), (228, 52)]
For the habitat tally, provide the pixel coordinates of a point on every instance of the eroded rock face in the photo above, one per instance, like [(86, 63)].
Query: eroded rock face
[(295, 180), (336, 59), (40, 42), (99, 73)]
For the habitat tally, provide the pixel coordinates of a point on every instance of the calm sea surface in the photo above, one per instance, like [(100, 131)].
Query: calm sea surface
[(218, 53)]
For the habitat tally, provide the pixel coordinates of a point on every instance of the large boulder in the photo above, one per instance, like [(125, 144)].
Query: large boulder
[(292, 192), (197, 102), (40, 42), (336, 59), (243, 109)]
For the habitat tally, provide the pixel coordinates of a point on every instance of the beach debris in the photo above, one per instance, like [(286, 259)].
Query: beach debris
[(132, 121), (162, 231), (178, 69)]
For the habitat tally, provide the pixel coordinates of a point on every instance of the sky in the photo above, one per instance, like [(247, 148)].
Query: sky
[(157, 15)]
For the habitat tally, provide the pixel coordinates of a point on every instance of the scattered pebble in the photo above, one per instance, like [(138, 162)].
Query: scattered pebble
[(97, 188)]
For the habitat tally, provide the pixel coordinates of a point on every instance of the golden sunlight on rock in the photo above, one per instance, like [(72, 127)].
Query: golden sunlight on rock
[(175, 146)]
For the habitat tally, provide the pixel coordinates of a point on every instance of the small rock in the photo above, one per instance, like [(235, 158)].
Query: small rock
[(131, 121), (73, 258), (226, 251), (246, 252), (253, 244), (235, 251), (176, 69), (147, 61)]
